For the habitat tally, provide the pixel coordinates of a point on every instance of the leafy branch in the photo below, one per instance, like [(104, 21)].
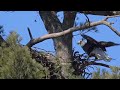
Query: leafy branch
[(73, 29)]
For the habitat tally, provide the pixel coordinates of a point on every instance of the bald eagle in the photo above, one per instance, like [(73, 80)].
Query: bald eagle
[(95, 48)]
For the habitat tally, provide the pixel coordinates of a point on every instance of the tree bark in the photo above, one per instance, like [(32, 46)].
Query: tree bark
[(62, 45)]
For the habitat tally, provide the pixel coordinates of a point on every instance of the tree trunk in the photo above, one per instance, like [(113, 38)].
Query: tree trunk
[(62, 45)]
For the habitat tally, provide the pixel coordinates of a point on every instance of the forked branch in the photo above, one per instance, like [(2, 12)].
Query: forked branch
[(73, 29)]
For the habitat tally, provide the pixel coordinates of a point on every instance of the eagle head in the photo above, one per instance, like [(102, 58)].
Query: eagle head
[(82, 42)]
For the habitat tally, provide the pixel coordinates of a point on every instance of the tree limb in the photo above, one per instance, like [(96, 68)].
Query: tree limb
[(51, 21), (113, 29), (100, 64), (30, 34), (54, 35), (103, 13)]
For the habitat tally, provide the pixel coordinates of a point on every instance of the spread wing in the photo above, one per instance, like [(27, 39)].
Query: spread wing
[(107, 44), (88, 48), (94, 43), (90, 40)]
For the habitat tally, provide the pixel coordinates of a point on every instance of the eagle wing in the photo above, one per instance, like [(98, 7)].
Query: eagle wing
[(107, 44), (90, 40), (94, 43), (88, 48)]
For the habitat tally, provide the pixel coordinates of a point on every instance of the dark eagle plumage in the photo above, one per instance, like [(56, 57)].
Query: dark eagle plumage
[(96, 48)]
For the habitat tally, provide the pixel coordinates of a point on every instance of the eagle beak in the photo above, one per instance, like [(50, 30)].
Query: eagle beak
[(78, 42)]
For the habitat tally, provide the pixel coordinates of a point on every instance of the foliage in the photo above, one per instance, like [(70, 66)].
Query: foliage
[(104, 74), (52, 63), (81, 66), (16, 61)]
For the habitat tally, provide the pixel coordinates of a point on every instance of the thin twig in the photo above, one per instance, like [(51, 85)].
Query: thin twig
[(87, 19), (30, 34), (107, 17)]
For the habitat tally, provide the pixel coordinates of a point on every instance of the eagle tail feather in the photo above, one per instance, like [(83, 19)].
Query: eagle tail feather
[(100, 54)]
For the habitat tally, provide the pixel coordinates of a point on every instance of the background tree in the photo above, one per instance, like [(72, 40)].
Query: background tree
[(104, 74), (1, 34), (16, 61), (61, 32)]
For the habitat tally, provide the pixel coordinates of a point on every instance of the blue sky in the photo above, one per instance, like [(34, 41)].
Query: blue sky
[(19, 21)]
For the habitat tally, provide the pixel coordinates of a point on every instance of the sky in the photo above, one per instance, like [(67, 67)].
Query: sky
[(19, 21)]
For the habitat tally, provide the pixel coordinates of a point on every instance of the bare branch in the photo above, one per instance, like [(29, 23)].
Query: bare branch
[(107, 17), (100, 64), (102, 13), (64, 32), (54, 35), (110, 23), (30, 34), (87, 19), (87, 63), (113, 29)]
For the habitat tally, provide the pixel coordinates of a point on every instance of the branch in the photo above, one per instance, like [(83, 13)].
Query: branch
[(113, 29), (88, 20), (102, 13), (110, 24), (51, 21), (107, 17), (30, 34), (69, 19), (100, 64), (86, 63), (54, 35)]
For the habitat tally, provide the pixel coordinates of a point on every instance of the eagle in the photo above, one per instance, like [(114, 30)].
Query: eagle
[(95, 48)]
